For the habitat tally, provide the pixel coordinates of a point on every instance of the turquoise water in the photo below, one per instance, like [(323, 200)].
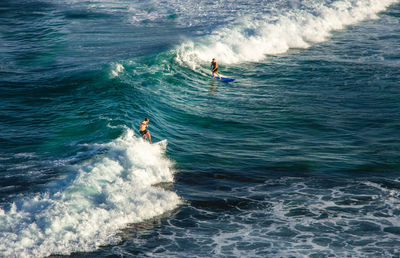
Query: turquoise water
[(298, 157)]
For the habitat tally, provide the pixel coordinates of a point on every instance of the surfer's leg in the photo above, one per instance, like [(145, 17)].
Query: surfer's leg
[(218, 75), (213, 75), (148, 134)]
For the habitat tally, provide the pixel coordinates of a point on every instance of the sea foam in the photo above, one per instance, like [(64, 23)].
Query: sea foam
[(250, 38), (117, 69), (86, 211)]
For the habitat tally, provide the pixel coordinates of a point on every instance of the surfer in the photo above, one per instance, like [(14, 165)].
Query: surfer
[(214, 68), (143, 130)]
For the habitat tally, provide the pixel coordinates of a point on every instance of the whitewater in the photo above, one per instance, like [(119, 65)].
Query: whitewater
[(298, 157), (84, 211)]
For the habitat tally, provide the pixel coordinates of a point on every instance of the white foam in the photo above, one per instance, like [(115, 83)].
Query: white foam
[(352, 220), (107, 193), (251, 39), (116, 70)]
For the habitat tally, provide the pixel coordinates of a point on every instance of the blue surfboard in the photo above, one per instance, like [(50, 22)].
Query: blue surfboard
[(224, 79)]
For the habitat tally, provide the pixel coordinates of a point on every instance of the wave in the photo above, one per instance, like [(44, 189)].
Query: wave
[(84, 212), (252, 38)]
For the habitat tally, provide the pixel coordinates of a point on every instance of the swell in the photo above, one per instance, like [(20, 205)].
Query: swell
[(170, 89)]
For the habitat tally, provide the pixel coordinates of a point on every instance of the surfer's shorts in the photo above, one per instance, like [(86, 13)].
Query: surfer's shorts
[(143, 132)]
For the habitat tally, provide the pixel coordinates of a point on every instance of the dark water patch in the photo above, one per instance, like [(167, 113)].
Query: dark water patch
[(300, 212), (218, 179), (321, 241), (283, 232), (392, 230), (85, 14), (24, 8), (364, 227), (227, 204)]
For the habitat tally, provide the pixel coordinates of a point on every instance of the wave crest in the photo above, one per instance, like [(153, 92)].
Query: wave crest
[(251, 38), (108, 193)]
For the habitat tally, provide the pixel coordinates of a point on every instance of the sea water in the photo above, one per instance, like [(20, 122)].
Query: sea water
[(299, 157)]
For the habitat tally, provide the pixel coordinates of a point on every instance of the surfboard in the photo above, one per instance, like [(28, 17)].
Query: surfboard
[(162, 143), (224, 79)]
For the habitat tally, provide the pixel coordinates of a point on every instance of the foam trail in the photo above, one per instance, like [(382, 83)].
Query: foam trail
[(107, 193), (251, 38)]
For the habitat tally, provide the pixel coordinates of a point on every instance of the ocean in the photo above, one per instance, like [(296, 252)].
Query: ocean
[(298, 157)]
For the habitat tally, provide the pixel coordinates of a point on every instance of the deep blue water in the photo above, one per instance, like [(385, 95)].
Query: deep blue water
[(299, 157)]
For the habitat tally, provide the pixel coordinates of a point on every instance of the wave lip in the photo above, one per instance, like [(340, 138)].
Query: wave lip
[(250, 39), (108, 193)]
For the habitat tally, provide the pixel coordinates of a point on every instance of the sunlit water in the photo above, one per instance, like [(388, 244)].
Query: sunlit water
[(298, 157)]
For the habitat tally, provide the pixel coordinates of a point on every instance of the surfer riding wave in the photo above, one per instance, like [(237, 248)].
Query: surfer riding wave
[(214, 68), (143, 129)]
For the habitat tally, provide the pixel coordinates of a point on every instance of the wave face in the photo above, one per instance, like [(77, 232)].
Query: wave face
[(82, 213)]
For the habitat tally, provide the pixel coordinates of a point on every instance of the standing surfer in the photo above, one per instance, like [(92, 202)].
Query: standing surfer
[(214, 68), (143, 130)]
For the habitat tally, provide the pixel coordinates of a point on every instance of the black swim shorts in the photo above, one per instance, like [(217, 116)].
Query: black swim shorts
[(143, 132)]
